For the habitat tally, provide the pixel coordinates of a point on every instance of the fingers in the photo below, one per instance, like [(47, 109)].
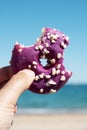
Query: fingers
[(5, 73), (16, 85)]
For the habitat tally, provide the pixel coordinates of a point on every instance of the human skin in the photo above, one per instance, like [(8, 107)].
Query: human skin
[(11, 87)]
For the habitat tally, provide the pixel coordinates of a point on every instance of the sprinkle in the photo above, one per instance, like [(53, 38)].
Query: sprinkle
[(52, 61), (48, 35), (29, 66), (45, 51), (58, 66), (48, 76), (63, 78), (59, 55), (51, 82), (41, 90), (43, 39), (40, 47), (63, 72), (41, 76), (34, 63), (47, 45), (55, 36), (67, 38), (53, 71), (20, 50), (53, 41), (52, 90), (57, 71), (36, 78), (63, 44), (36, 48), (35, 66), (43, 30)]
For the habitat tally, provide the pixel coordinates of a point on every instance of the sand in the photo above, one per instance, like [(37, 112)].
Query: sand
[(50, 122)]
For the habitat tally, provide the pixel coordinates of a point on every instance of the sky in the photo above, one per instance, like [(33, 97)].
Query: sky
[(22, 21)]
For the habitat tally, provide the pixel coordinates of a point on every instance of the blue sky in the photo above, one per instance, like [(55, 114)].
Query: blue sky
[(22, 20)]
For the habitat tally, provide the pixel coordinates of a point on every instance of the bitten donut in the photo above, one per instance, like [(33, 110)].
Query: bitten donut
[(50, 46)]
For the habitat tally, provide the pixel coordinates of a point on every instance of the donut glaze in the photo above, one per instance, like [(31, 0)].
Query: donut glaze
[(50, 46)]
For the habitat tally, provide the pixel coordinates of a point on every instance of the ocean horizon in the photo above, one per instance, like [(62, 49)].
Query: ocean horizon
[(70, 98)]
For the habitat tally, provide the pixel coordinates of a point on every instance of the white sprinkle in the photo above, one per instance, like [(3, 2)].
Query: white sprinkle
[(63, 44), (48, 35), (40, 47), (55, 36), (41, 76), (48, 76), (45, 51), (57, 71), (59, 55), (43, 39), (67, 38), (52, 61), (53, 71), (41, 90), (20, 50), (36, 48), (47, 45), (34, 63), (58, 66), (29, 66), (35, 66), (52, 90), (36, 78), (62, 78), (51, 82), (63, 72), (53, 41), (43, 30)]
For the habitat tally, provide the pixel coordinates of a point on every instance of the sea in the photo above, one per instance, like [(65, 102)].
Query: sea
[(70, 98)]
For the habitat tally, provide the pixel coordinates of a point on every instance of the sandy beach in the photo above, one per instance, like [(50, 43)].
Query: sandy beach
[(50, 122)]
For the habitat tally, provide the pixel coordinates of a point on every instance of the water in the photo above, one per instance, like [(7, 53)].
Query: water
[(69, 98)]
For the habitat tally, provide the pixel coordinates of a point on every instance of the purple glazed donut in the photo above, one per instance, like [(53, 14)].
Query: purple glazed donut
[(50, 46)]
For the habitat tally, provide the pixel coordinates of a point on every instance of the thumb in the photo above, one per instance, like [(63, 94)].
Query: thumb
[(16, 85)]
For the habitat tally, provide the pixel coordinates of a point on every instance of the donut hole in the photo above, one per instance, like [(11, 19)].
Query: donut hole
[(43, 62)]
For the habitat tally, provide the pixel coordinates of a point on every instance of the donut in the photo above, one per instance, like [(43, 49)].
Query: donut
[(50, 46)]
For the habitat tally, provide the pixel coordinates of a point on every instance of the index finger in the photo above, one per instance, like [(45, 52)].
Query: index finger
[(5, 73)]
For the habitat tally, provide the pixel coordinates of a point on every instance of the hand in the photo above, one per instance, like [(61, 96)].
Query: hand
[(10, 91)]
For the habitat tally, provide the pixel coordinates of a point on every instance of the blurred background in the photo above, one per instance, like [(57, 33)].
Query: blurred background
[(22, 20)]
